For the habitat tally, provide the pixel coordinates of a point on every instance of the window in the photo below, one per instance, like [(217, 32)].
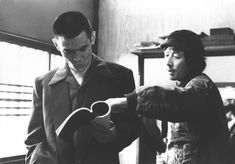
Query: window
[(18, 69)]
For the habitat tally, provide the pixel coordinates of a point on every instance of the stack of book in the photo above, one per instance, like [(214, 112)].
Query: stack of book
[(147, 45), (219, 36)]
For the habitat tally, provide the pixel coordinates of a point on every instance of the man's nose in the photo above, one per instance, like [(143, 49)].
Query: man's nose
[(77, 56), (169, 61)]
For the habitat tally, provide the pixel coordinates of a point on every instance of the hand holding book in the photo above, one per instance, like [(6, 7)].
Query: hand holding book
[(103, 134), (99, 113)]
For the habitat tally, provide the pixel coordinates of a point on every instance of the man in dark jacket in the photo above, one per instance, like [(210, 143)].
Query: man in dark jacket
[(83, 79)]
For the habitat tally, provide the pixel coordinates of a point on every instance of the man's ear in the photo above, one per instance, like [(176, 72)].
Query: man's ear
[(54, 40), (93, 37)]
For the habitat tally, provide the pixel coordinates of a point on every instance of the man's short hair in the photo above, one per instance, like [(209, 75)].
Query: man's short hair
[(191, 44), (71, 24)]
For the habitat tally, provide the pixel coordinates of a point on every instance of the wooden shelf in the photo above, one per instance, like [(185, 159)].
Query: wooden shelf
[(155, 53), (226, 50)]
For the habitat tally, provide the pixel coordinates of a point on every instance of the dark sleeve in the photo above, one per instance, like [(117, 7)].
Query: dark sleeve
[(127, 123), (35, 132), (192, 102), (131, 101)]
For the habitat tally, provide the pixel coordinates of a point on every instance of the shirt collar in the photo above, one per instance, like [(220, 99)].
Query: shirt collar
[(60, 74), (98, 67)]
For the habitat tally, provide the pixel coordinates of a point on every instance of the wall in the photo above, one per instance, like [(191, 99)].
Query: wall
[(34, 18), (124, 23)]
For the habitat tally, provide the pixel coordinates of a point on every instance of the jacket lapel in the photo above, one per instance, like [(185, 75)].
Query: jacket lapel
[(60, 105)]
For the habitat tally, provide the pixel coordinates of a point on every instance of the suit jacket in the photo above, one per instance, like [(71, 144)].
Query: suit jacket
[(52, 104)]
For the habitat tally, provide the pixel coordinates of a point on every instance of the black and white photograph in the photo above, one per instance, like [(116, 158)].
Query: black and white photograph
[(117, 82)]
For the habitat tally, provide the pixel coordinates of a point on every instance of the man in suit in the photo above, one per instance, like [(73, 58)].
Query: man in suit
[(83, 79)]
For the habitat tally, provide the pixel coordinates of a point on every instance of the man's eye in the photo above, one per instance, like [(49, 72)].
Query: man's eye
[(83, 48), (175, 55), (166, 55), (67, 51)]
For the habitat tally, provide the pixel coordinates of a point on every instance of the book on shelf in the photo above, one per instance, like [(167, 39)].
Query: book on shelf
[(217, 40), (99, 112), (221, 31)]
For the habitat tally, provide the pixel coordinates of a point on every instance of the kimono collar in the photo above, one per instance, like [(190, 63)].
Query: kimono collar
[(183, 82)]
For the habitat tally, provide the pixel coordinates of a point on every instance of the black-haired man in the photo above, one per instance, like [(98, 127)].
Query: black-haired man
[(83, 79)]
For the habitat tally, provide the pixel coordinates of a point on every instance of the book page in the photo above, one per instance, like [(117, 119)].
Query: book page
[(102, 112), (76, 119)]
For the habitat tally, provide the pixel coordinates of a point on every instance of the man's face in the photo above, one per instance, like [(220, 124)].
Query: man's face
[(77, 51), (176, 65)]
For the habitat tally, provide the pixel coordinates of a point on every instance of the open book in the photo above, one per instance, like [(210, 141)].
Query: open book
[(99, 112)]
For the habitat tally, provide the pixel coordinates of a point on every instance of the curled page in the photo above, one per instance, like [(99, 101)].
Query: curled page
[(99, 113), (101, 110)]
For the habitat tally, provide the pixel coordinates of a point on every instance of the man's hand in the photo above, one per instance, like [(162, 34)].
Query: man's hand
[(103, 134)]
